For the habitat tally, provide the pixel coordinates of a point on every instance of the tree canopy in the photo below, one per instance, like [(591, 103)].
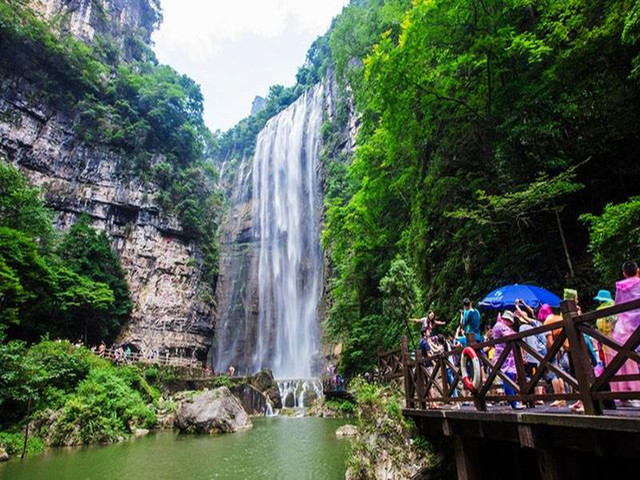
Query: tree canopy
[(487, 129)]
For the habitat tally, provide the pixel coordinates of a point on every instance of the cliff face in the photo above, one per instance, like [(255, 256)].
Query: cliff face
[(171, 311), (123, 21)]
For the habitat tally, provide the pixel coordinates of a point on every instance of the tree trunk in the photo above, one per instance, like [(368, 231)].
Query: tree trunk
[(26, 431), (564, 242)]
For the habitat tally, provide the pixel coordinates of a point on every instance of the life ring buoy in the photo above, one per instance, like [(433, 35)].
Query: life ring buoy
[(471, 383)]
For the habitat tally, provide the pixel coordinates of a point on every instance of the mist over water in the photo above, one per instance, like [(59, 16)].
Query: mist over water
[(284, 275)]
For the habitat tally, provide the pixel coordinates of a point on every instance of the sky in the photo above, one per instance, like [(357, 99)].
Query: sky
[(236, 49)]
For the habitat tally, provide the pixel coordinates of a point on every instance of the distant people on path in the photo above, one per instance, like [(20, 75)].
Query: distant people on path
[(232, 370), (101, 349), (626, 291)]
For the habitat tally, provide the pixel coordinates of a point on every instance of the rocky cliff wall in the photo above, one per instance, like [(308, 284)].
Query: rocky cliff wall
[(124, 21), (172, 304)]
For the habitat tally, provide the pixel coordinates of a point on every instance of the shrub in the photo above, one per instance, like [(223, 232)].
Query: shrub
[(13, 443), (104, 408)]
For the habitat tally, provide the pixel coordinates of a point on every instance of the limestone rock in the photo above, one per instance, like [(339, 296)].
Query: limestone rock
[(215, 411), (382, 448), (289, 401), (86, 19), (309, 397), (263, 380), (265, 383), (173, 310), (4, 456), (162, 266), (140, 432), (253, 401), (346, 431), (167, 421)]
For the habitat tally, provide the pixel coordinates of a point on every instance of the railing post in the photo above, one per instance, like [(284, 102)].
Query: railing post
[(579, 353), (444, 373), (420, 383), (408, 386), (521, 375)]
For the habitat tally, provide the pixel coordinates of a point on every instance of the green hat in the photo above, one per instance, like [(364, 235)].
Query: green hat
[(603, 296)]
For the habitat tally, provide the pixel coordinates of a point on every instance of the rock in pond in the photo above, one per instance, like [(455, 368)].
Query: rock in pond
[(346, 431), (265, 383), (253, 401), (214, 411)]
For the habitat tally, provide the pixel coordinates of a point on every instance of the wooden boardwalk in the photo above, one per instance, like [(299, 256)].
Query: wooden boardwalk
[(163, 360), (538, 441)]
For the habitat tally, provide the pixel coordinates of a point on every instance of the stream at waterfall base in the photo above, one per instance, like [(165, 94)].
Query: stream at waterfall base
[(276, 448)]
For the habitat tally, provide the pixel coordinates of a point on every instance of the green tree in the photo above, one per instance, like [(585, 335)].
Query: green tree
[(98, 292), (21, 206), (614, 238)]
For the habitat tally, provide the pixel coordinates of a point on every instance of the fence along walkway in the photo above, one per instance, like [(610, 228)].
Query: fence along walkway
[(426, 383), (164, 360)]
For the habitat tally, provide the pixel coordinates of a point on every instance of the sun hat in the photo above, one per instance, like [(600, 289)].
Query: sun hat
[(507, 315), (603, 296)]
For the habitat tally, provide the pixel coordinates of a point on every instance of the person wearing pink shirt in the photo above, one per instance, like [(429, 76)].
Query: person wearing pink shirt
[(626, 291)]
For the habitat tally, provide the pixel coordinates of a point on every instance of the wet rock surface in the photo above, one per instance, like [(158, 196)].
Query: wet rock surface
[(253, 401), (347, 431), (214, 411), (172, 310)]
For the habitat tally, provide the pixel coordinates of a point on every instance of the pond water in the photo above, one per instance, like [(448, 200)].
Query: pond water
[(276, 448)]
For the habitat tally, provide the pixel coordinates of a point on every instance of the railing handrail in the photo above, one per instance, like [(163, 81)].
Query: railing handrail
[(160, 359), (426, 374)]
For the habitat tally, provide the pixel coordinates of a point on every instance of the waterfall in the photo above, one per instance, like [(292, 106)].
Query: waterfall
[(286, 190), (299, 393), (271, 276)]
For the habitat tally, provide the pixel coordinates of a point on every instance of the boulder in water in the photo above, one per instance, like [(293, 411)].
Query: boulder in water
[(309, 397), (346, 431), (215, 411), (253, 401), (289, 400), (264, 382)]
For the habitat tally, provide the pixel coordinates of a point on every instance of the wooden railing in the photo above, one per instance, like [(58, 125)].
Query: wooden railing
[(390, 363), (163, 360), (428, 382)]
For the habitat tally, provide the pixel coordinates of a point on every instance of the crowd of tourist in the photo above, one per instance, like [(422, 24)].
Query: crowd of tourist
[(524, 317)]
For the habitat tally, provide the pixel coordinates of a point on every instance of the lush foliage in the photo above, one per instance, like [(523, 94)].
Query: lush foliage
[(487, 129), (94, 400), (149, 113), (615, 235), (88, 253), (73, 289)]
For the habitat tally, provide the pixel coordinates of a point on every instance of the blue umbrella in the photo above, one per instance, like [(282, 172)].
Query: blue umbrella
[(505, 297)]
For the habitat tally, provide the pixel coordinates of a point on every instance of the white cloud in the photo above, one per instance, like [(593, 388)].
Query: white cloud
[(268, 40)]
